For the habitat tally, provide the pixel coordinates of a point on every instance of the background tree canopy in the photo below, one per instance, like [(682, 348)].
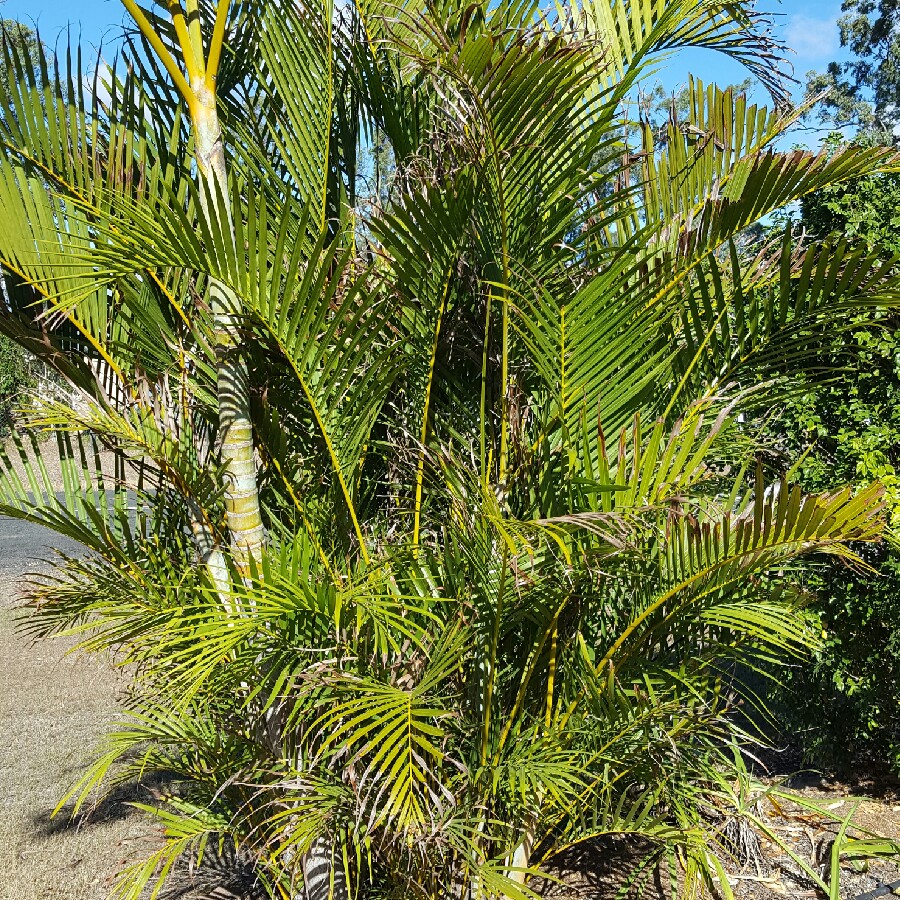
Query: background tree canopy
[(864, 91), (17, 368), (841, 709)]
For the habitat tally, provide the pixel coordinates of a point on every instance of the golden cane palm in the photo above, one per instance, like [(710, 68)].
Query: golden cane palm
[(434, 533)]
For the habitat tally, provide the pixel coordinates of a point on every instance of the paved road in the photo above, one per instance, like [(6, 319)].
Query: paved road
[(23, 544)]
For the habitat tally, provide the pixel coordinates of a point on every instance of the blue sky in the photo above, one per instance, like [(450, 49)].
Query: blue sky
[(808, 27), (94, 17)]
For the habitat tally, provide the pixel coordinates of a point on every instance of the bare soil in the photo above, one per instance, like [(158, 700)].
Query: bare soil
[(53, 709), (759, 868), (874, 803)]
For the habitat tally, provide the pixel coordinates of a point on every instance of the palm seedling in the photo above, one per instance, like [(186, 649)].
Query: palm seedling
[(432, 537)]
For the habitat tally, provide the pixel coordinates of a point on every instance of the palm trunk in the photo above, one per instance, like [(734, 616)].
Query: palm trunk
[(323, 879), (522, 854), (210, 554), (242, 508), (520, 858), (323, 875)]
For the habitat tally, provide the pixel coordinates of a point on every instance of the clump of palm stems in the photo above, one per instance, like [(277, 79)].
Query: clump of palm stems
[(433, 540)]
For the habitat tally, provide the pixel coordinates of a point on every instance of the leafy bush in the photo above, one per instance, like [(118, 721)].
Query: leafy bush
[(844, 706), (840, 708), (864, 209), (16, 378)]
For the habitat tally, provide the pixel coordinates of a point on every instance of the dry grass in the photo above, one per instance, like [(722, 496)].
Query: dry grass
[(53, 708)]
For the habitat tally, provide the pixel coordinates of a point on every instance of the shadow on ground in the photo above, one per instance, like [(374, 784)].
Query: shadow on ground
[(785, 764), (607, 868), (221, 875), (114, 806)]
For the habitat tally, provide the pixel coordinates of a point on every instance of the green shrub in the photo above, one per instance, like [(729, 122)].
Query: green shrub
[(844, 705), (422, 550), (841, 707), (16, 375)]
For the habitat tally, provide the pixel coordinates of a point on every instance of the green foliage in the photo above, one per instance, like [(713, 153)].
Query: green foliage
[(865, 209), (840, 708), (16, 374), (23, 38), (16, 378), (854, 682), (864, 90), (517, 551)]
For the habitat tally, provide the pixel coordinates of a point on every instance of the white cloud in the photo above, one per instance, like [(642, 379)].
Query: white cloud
[(812, 39)]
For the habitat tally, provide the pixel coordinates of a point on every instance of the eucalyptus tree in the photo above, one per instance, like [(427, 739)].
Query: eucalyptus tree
[(434, 539), (863, 88)]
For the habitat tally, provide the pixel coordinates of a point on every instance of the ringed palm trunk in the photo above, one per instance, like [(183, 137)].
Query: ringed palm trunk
[(196, 81), (521, 856), (233, 386), (323, 875), (323, 879)]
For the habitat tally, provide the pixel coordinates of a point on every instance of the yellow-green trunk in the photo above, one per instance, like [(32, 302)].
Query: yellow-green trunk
[(233, 384)]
